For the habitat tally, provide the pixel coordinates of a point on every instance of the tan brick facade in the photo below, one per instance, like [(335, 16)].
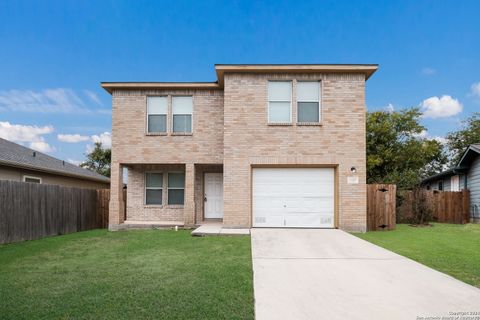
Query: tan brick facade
[(230, 128), (249, 140)]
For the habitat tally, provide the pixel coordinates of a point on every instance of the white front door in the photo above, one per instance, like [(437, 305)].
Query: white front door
[(293, 197), (213, 197)]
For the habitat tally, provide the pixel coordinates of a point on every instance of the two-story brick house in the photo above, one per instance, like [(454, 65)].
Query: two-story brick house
[(264, 146)]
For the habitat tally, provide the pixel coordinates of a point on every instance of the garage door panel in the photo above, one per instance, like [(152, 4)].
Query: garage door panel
[(293, 197)]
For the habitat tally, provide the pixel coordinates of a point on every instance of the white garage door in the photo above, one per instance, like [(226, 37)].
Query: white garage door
[(293, 197)]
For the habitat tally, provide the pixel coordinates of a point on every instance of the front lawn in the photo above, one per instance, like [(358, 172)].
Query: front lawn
[(127, 275), (450, 248)]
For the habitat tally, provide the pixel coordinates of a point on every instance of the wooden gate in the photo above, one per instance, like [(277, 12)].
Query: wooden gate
[(381, 205)]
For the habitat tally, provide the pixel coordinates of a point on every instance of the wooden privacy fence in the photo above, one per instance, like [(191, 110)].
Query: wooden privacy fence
[(444, 206), (381, 207), (103, 199), (30, 211)]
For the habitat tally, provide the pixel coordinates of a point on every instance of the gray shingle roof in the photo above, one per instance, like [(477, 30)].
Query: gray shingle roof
[(15, 155)]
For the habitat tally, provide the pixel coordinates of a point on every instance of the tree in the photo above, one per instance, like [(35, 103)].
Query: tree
[(458, 141), (396, 151), (99, 160)]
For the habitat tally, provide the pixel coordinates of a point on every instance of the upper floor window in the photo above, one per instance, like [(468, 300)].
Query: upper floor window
[(157, 114), (182, 108), (279, 101), (308, 101)]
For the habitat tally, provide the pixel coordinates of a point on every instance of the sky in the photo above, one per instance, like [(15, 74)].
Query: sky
[(54, 54)]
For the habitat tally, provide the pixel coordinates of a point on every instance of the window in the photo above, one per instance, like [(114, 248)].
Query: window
[(32, 179), (182, 114), (176, 187), (279, 101), (440, 185), (156, 114), (153, 188), (308, 101)]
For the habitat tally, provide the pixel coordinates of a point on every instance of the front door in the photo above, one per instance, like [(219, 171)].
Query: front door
[(213, 197)]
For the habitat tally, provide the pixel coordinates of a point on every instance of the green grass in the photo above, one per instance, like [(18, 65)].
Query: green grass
[(450, 248), (127, 275)]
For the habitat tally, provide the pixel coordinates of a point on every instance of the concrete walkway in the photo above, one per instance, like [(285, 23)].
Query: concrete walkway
[(217, 229), (330, 274)]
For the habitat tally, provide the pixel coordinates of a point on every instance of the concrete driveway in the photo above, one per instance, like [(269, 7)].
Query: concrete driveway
[(330, 274)]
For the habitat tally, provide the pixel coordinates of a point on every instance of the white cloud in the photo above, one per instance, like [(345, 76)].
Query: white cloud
[(74, 162), (33, 135), (428, 71), (93, 96), (440, 140), (446, 106), (475, 90), (104, 138), (60, 100), (41, 146), (422, 135), (389, 108), (72, 138), (425, 135)]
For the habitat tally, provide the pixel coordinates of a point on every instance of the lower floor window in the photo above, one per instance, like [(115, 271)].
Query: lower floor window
[(153, 188), (176, 187)]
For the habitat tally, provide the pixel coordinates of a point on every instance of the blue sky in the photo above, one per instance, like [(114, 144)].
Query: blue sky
[(54, 54)]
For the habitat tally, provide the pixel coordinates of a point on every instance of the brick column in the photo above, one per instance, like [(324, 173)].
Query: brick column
[(117, 204), (189, 206)]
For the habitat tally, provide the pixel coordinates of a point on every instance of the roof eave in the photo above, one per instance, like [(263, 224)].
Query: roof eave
[(469, 149), (50, 171), (366, 69), (110, 86)]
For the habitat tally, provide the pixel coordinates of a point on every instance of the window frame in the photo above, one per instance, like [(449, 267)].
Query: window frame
[(175, 188), (180, 133), (440, 185), (25, 177), (148, 114), (319, 83), (152, 188), (268, 103)]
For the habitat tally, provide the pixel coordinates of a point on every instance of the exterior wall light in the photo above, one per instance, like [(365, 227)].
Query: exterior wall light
[(353, 170)]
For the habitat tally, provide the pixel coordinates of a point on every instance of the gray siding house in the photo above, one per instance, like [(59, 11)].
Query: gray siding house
[(466, 175), (18, 163)]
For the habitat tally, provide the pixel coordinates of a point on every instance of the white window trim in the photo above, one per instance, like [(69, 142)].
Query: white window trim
[(145, 188), (25, 177), (175, 188), (147, 114), (319, 101), (268, 101), (180, 114)]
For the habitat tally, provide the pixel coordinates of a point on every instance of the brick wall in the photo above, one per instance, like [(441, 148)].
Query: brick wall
[(132, 146), (230, 127), (339, 141), (136, 208)]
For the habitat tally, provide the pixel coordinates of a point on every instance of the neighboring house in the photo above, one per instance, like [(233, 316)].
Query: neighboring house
[(264, 146), (19, 163), (465, 175)]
